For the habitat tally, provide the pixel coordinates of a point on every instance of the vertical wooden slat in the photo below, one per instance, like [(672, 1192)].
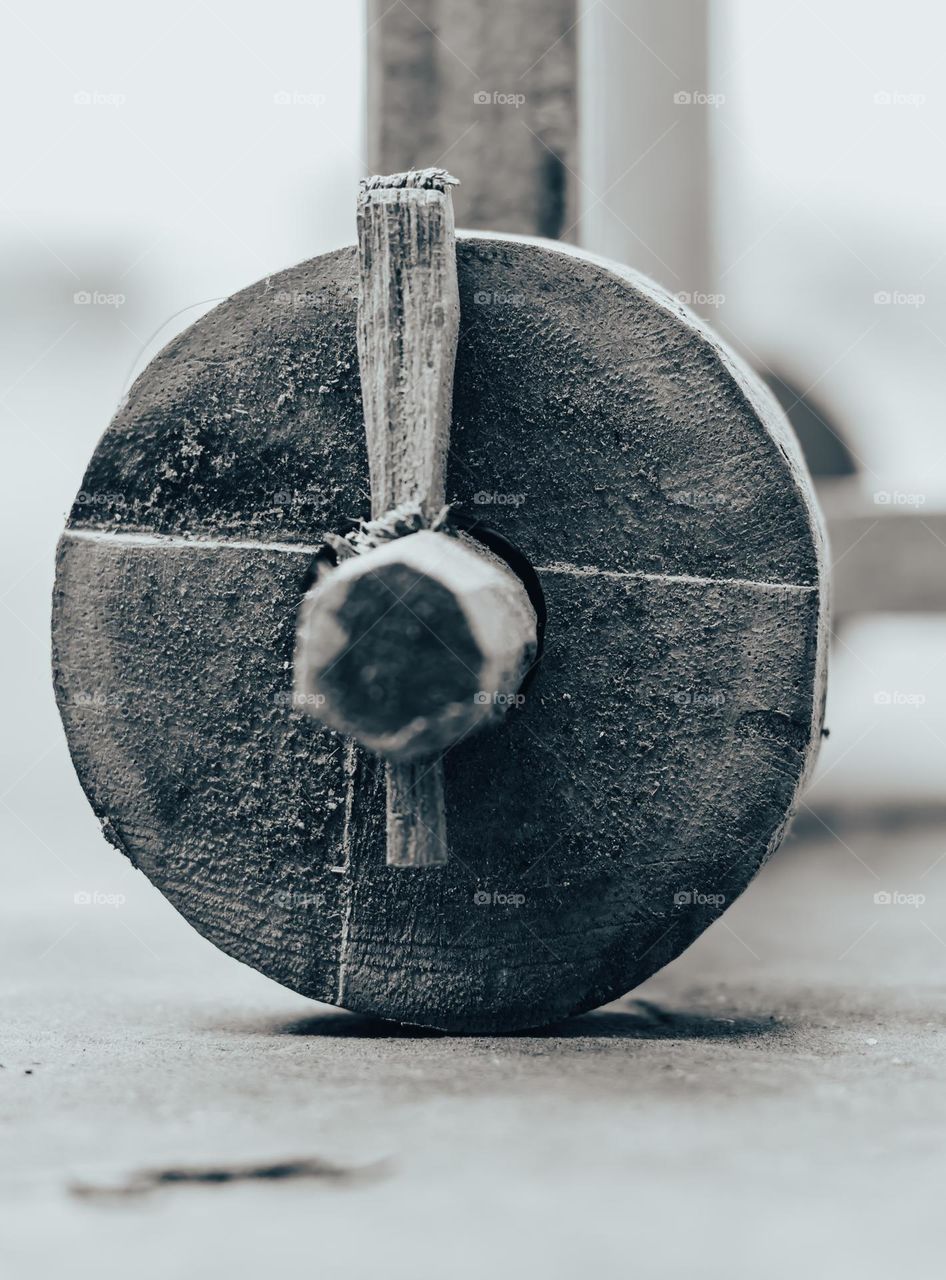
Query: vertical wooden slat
[(487, 89), (645, 198)]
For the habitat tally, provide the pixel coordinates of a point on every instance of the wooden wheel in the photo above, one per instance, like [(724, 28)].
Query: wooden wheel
[(657, 754)]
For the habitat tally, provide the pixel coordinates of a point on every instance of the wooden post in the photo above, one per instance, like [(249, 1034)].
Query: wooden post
[(415, 640), (408, 321), (645, 168), (490, 89)]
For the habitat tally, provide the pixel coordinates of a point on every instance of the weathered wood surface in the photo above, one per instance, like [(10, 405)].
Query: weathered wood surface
[(601, 827), (408, 321), (414, 645), (488, 89)]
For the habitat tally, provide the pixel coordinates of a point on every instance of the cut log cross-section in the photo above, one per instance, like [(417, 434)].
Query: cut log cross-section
[(594, 832)]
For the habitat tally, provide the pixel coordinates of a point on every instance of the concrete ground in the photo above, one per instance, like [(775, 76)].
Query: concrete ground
[(771, 1104)]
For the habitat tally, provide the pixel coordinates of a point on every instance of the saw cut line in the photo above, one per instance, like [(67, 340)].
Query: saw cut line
[(178, 543), (634, 575)]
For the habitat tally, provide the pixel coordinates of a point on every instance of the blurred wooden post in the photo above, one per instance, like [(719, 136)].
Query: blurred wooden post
[(645, 126), (563, 118), (488, 89)]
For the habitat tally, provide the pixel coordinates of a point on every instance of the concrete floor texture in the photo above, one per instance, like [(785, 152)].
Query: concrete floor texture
[(769, 1105)]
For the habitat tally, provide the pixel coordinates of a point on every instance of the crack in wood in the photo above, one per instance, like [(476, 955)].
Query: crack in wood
[(179, 543)]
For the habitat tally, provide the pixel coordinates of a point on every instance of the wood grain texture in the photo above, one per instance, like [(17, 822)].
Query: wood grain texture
[(599, 828), (415, 815), (491, 89), (408, 320)]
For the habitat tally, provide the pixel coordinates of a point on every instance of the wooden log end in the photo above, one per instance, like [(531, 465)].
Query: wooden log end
[(413, 645), (413, 179)]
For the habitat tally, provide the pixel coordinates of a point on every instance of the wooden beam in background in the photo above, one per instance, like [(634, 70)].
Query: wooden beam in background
[(486, 88), (885, 558), (645, 133)]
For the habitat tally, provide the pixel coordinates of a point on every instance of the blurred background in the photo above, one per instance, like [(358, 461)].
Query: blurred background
[(776, 166)]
